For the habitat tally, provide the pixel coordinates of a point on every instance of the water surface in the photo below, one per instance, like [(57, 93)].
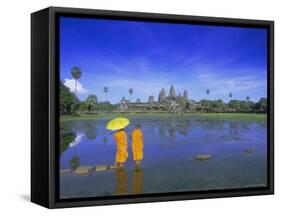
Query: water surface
[(170, 145)]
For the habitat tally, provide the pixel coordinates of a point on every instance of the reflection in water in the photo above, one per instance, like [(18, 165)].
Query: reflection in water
[(245, 126), (74, 163), (121, 181), (91, 132), (137, 181), (65, 140), (172, 128), (77, 140), (172, 132), (233, 125), (183, 128), (228, 139), (162, 130)]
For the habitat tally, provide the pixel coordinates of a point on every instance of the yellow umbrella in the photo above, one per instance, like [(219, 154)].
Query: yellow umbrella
[(117, 123)]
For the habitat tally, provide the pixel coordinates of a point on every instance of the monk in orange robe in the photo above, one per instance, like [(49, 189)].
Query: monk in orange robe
[(122, 153), (137, 144)]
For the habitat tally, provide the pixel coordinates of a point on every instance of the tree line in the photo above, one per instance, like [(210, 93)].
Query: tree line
[(70, 104)]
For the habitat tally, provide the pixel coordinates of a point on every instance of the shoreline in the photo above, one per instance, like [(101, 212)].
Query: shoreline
[(213, 116)]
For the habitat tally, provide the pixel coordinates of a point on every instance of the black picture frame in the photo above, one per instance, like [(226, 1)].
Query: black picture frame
[(45, 109)]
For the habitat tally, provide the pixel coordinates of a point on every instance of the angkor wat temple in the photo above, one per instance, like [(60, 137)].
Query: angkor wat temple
[(170, 103)]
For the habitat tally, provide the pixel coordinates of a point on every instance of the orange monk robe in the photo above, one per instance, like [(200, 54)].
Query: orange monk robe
[(121, 141), (137, 186), (137, 144), (121, 182)]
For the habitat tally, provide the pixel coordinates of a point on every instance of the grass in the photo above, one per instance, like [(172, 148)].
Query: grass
[(214, 116)]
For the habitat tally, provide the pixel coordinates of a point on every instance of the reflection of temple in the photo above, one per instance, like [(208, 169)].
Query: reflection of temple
[(172, 103)]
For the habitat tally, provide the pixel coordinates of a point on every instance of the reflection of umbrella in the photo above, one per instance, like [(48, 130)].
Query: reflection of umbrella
[(117, 123)]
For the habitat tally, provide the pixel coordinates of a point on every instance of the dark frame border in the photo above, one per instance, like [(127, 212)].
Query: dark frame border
[(54, 14)]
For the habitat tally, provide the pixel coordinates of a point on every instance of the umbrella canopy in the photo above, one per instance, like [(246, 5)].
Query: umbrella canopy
[(117, 123)]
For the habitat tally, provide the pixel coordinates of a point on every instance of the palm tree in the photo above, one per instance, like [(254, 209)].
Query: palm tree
[(131, 91), (208, 92), (76, 74), (248, 104), (105, 90)]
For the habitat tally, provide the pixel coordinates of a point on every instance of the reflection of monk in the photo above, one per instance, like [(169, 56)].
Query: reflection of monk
[(137, 181), (121, 181), (137, 144), (121, 141)]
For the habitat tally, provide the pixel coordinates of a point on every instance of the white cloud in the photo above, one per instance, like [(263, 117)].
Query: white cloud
[(70, 83), (222, 85), (146, 79)]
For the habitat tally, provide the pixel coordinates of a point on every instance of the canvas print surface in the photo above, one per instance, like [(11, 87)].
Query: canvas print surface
[(150, 107)]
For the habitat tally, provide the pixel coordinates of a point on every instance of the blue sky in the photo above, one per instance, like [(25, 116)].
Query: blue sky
[(149, 56)]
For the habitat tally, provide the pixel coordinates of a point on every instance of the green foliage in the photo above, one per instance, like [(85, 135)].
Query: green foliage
[(65, 139), (69, 103), (106, 107), (92, 102), (234, 104), (76, 72), (75, 107), (67, 100), (213, 105), (262, 105), (74, 163), (89, 105), (83, 107), (248, 106), (182, 101)]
